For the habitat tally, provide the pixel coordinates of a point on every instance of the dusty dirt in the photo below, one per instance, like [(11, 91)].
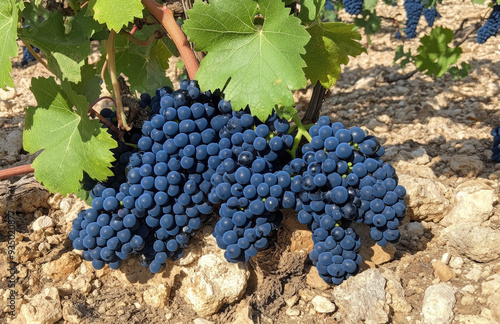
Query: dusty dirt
[(443, 125)]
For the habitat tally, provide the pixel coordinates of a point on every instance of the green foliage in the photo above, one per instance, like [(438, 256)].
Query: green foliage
[(434, 55), (310, 10), (329, 47), (460, 73), (405, 57), (9, 10), (65, 51), (143, 65), (370, 22), (114, 14), (72, 142), (257, 61)]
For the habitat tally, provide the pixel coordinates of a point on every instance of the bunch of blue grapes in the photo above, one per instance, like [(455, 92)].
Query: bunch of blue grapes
[(413, 10), (491, 26), (196, 153), (329, 5), (353, 7), (249, 182), (165, 197), (495, 149), (27, 56), (430, 15), (340, 179)]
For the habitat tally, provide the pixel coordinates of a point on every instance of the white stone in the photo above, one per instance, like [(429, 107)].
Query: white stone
[(362, 298), (8, 93), (323, 305), (42, 223), (200, 320), (44, 308), (365, 83), (474, 274), (469, 288), (438, 304), (475, 242), (446, 258), (457, 262), (473, 203), (491, 284), (212, 282), (156, 296), (292, 312)]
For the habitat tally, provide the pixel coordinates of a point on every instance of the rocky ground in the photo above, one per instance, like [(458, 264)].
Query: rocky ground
[(446, 269)]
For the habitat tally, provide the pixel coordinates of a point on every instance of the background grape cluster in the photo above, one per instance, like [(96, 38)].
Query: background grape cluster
[(495, 149), (196, 156), (491, 26)]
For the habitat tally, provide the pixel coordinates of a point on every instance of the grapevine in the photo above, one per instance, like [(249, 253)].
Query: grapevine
[(228, 140)]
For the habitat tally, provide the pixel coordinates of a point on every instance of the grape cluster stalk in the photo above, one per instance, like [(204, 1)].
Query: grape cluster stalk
[(196, 152)]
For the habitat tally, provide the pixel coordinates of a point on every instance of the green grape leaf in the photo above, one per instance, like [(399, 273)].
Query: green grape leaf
[(329, 47), (370, 22), (143, 65), (257, 60), (477, 1), (310, 10), (89, 86), (65, 52), (434, 55), (114, 13), (405, 57), (286, 112), (460, 73), (369, 4), (9, 14), (71, 142)]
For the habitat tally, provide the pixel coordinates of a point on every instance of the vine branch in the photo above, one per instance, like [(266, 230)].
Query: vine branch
[(139, 42), (15, 171), (35, 55), (166, 18), (110, 59)]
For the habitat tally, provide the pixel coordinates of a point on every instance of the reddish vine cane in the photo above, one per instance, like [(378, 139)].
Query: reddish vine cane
[(166, 17)]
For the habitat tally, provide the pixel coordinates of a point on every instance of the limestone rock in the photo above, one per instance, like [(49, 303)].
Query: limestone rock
[(438, 304), (494, 305), (362, 298), (442, 271), (395, 294), (212, 282), (156, 296), (61, 268), (474, 242), (44, 308), (473, 203), (42, 223), (323, 305), (8, 93), (370, 251), (243, 314), (425, 194), (491, 284), (466, 165), (365, 83)]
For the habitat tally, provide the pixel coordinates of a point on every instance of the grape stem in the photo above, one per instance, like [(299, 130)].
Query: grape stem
[(302, 131), (15, 171), (35, 55), (139, 42), (166, 18), (106, 122), (110, 59)]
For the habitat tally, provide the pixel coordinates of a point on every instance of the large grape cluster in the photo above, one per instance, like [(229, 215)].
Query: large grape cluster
[(491, 26), (495, 149), (430, 15), (196, 152), (353, 7), (340, 179)]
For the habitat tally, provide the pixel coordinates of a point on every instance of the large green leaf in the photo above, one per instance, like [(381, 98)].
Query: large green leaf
[(71, 142), (330, 46), (434, 55), (65, 52), (9, 13), (310, 10), (116, 14), (257, 60)]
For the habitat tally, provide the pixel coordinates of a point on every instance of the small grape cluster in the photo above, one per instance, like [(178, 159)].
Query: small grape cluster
[(413, 10), (491, 26), (430, 15), (495, 149), (353, 7), (27, 56), (196, 153)]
